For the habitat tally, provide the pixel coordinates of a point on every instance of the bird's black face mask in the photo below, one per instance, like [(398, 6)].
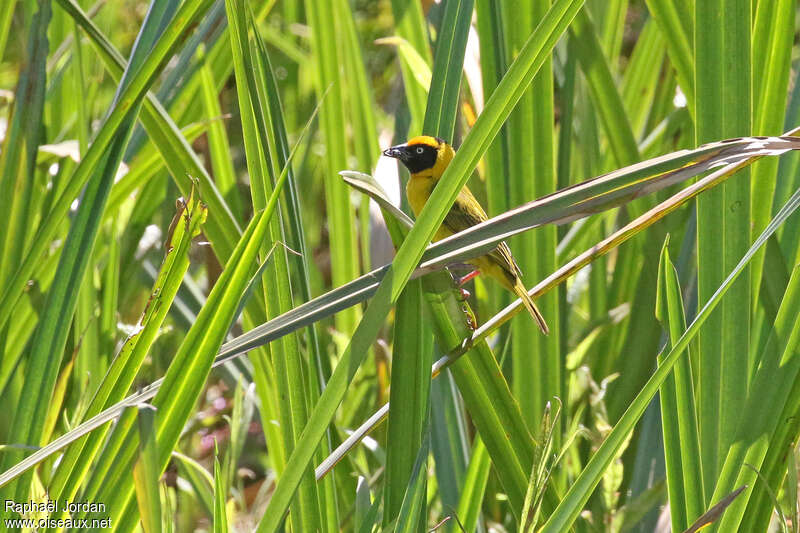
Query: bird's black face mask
[(416, 157)]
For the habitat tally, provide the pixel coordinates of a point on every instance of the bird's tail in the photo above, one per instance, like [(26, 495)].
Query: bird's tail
[(522, 292)]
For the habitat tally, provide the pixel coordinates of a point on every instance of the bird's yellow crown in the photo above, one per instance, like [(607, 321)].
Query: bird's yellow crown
[(426, 140)]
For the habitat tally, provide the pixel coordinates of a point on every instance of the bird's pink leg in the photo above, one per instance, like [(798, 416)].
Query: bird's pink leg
[(472, 275)]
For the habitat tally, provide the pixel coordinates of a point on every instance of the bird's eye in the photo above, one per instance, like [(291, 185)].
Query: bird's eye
[(420, 150)]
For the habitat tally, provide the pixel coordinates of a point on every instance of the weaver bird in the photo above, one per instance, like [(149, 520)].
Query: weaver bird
[(426, 158)]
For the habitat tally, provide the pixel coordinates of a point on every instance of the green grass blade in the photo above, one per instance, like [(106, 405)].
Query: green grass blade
[(220, 500), (23, 324), (448, 62), (564, 157), (638, 90), (189, 368), (198, 477), (5, 24), (761, 506), (723, 81), (133, 92), (778, 370), (449, 439), (361, 110), (773, 35), (243, 407), (286, 358), (411, 516), (366, 511), (474, 487), (410, 392), (342, 233), (493, 65), (295, 236), (146, 472), (222, 229), (536, 359), (219, 147), (788, 176), (17, 172), (613, 29), (148, 164), (361, 102), (20, 145), (410, 25), (678, 414), (50, 338), (519, 75), (604, 92), (76, 461), (590, 476), (677, 27)]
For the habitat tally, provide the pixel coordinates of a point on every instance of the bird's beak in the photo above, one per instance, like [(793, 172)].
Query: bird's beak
[(397, 152)]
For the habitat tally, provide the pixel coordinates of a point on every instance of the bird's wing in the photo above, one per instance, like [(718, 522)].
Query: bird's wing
[(502, 256), (467, 212)]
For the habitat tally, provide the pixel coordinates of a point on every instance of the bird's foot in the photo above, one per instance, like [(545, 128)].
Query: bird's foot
[(469, 316)]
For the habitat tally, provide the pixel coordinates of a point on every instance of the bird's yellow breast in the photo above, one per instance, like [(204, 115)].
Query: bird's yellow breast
[(420, 185), (418, 189)]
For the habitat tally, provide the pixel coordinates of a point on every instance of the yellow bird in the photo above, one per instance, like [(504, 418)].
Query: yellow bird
[(426, 158)]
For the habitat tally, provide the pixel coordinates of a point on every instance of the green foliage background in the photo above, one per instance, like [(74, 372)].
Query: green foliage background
[(171, 198)]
